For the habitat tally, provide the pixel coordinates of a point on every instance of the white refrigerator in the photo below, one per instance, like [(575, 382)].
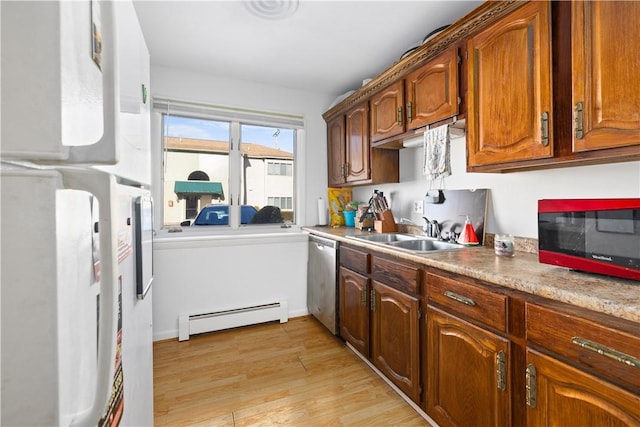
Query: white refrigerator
[(76, 216)]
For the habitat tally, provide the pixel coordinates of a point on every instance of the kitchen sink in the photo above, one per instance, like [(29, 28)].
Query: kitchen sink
[(385, 237), (408, 242), (426, 245)]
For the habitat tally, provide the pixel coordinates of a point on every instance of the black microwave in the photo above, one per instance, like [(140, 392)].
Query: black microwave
[(593, 235)]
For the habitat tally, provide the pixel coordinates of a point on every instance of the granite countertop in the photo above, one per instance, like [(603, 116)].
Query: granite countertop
[(523, 272)]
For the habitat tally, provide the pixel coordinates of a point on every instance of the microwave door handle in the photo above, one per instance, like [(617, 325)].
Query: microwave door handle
[(102, 186), (105, 150)]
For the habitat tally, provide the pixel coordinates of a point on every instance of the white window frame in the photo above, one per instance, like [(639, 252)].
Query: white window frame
[(236, 117)]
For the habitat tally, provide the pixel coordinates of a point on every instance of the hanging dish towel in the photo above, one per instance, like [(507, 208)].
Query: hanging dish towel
[(437, 161)]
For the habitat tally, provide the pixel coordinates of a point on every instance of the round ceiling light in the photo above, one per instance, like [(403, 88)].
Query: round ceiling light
[(272, 9)]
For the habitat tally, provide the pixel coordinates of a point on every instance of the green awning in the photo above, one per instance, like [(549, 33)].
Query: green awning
[(198, 188)]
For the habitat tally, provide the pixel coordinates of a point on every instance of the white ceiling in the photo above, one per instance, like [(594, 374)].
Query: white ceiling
[(326, 46)]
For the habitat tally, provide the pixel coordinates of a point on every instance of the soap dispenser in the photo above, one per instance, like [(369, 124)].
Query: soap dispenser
[(468, 235)]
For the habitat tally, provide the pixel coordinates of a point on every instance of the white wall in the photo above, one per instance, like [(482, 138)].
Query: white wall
[(513, 195), (202, 276), (209, 274)]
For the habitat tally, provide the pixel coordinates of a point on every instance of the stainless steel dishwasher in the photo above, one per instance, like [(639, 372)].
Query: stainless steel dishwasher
[(321, 281)]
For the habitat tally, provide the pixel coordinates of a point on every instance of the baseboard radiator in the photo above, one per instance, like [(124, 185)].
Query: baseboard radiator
[(191, 324)]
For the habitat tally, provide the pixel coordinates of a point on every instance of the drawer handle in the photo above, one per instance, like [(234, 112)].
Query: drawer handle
[(616, 355), (459, 298)]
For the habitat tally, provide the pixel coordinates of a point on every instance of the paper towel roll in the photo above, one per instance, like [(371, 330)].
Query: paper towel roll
[(322, 211)]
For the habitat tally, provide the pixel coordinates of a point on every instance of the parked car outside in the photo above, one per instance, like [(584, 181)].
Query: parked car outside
[(219, 215)]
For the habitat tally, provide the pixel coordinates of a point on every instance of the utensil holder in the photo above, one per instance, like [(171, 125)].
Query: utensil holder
[(385, 222)]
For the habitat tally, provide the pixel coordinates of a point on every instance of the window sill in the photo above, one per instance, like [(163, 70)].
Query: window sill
[(228, 237)]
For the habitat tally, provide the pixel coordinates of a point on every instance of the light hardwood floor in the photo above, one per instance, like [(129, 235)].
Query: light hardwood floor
[(290, 374)]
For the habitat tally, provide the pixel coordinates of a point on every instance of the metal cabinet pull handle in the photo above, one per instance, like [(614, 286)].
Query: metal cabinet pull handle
[(616, 355), (459, 298), (578, 112), (409, 112), (530, 386), (399, 116), (545, 129), (501, 371)]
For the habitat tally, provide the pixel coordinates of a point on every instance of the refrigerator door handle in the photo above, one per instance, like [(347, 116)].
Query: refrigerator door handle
[(105, 150), (103, 187)]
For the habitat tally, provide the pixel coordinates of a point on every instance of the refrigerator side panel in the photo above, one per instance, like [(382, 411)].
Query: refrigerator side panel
[(137, 327)]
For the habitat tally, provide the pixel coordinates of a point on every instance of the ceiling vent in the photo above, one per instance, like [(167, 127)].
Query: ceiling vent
[(272, 9)]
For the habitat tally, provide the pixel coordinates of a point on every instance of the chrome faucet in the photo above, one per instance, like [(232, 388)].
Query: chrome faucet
[(432, 228)]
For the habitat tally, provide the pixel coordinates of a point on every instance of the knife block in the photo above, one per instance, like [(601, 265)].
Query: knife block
[(385, 222)]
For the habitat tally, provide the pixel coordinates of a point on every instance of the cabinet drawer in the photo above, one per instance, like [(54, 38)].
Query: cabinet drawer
[(604, 348), (355, 259), (468, 300), (403, 277)]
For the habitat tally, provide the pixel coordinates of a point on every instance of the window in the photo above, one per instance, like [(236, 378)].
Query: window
[(281, 202), (223, 171), (285, 169)]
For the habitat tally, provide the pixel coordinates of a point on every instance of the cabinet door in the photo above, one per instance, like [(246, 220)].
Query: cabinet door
[(561, 395), (509, 78), (354, 310), (336, 150), (357, 144), (387, 114), (606, 60), (395, 338), (467, 373), (432, 91)]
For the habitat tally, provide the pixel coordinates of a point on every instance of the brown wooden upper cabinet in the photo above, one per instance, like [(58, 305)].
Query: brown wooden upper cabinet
[(432, 91), (351, 159), (509, 104), (357, 144), (336, 152), (387, 112), (605, 65), (426, 95), (348, 146)]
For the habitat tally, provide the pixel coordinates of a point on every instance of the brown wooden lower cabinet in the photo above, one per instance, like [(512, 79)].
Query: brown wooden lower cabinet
[(467, 373), (561, 395), (382, 320), (354, 309), (395, 337), (488, 356)]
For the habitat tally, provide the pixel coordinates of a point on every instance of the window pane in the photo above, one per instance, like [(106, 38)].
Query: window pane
[(268, 158), (196, 170)]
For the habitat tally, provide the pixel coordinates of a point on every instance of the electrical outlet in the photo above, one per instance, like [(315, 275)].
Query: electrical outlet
[(418, 206)]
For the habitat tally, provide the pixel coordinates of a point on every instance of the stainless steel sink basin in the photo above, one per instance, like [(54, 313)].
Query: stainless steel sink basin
[(407, 242), (385, 237), (424, 245)]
